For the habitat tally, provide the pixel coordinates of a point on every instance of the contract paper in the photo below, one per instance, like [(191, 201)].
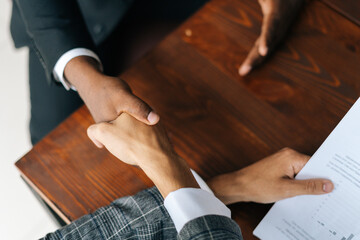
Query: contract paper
[(334, 216)]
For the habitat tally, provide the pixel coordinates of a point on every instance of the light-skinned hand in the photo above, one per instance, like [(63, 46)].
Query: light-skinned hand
[(132, 141), (148, 147), (268, 180)]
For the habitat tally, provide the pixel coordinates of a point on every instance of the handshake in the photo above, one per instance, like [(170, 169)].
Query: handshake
[(148, 147)]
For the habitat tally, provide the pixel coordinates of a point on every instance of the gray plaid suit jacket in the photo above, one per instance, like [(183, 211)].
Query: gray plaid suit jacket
[(144, 217)]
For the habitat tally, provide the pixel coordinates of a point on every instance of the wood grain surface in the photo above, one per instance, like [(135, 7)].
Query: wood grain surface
[(218, 121), (349, 8)]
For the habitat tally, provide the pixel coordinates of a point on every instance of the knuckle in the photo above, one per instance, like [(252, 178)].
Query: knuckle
[(287, 151), (310, 186), (283, 190), (286, 190), (91, 129), (141, 108), (101, 128)]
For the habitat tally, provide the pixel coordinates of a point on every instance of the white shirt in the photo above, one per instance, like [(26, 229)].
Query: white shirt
[(60, 65), (184, 204)]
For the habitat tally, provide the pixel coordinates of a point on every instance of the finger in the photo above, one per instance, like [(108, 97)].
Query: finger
[(276, 22), (265, 35), (273, 29), (97, 143), (97, 133), (252, 60), (92, 138), (307, 187), (299, 162), (141, 110)]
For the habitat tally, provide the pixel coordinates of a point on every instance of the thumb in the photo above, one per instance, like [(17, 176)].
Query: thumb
[(141, 110), (308, 187)]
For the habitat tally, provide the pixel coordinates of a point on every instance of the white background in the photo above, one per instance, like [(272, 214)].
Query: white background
[(21, 214)]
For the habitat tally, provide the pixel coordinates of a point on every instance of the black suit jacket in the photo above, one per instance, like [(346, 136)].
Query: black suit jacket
[(53, 27)]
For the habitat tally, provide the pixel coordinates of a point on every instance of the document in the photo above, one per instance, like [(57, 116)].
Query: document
[(334, 216)]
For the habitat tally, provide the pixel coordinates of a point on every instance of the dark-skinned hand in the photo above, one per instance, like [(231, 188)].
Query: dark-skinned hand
[(278, 16)]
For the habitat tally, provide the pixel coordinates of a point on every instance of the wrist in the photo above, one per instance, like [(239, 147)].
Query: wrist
[(229, 187), (169, 174), (82, 72)]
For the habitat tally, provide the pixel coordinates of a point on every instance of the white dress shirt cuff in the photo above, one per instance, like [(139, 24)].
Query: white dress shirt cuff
[(201, 182), (186, 204), (65, 58)]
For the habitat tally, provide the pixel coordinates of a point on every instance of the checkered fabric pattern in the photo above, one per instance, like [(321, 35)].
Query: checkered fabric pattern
[(144, 217)]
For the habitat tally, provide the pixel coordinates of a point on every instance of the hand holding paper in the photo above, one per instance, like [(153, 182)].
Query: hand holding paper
[(268, 180), (333, 216)]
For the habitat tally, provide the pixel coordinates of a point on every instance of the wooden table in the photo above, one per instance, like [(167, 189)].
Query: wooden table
[(217, 120)]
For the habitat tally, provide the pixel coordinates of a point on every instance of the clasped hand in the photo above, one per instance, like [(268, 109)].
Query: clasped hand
[(105, 96)]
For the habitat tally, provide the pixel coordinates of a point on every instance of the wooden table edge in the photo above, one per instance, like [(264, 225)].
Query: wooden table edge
[(43, 197)]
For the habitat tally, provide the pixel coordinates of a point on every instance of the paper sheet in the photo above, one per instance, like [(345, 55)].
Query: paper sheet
[(334, 216)]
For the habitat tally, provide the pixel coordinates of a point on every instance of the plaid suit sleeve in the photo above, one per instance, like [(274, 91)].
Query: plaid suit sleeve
[(210, 227), (144, 217)]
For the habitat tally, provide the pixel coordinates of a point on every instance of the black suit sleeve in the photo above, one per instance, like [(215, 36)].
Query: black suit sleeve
[(55, 27)]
